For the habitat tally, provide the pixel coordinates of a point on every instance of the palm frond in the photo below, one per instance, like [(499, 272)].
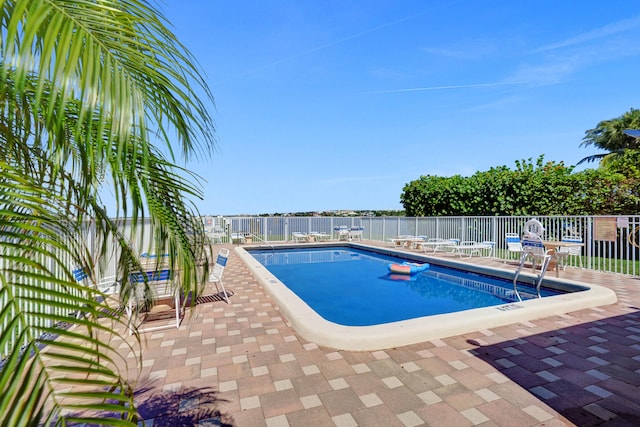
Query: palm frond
[(39, 297), (118, 58), (83, 85), (593, 158)]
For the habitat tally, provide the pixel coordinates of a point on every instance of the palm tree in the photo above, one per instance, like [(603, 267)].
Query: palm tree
[(609, 135), (92, 96)]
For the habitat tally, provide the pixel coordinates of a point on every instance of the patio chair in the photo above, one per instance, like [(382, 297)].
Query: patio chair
[(514, 245), (107, 285), (489, 247), (533, 248), (218, 270), (342, 232), (356, 233), (216, 236), (154, 296), (564, 252)]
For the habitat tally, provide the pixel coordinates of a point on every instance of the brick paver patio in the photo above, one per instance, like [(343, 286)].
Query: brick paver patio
[(240, 364)]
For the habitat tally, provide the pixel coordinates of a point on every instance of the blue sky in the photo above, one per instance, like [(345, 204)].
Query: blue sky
[(326, 105)]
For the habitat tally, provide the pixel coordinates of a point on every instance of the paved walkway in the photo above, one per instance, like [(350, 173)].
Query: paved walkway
[(240, 364)]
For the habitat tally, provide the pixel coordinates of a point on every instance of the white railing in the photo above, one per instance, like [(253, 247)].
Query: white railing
[(24, 293), (610, 242)]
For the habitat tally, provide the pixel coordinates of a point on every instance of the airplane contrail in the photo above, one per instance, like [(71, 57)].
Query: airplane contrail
[(420, 89), (323, 46)]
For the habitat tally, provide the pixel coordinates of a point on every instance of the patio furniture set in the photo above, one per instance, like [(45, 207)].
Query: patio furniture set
[(466, 248), (531, 246)]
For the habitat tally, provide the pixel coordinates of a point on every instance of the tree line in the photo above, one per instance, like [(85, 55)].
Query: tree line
[(542, 187)]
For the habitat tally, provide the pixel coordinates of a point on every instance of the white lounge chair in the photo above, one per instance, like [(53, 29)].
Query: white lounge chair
[(490, 248), (298, 237), (471, 247), (438, 244), (417, 244), (320, 236), (402, 241)]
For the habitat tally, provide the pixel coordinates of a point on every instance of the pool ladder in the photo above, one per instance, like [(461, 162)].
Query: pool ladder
[(546, 259)]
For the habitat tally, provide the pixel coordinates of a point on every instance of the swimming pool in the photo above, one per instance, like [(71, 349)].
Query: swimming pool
[(347, 286), (390, 321)]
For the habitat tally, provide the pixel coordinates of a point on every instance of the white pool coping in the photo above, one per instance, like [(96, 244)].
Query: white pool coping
[(314, 328)]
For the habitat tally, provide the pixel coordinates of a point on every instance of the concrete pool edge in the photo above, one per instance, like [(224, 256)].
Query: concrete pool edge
[(312, 327)]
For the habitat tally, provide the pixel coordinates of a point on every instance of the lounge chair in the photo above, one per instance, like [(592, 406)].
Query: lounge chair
[(402, 241), (470, 248), (320, 236), (417, 244), (298, 237), (437, 244), (490, 248)]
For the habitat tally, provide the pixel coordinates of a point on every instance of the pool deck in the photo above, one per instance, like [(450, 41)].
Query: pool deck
[(241, 364)]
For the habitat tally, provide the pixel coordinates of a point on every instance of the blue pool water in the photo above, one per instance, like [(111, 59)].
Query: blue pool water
[(353, 287)]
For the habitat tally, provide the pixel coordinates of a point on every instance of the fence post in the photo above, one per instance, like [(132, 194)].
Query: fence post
[(589, 240)]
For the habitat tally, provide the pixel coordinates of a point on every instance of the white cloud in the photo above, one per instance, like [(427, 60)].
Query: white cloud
[(598, 33)]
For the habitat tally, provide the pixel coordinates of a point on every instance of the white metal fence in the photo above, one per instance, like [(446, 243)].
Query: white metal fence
[(26, 294), (611, 243)]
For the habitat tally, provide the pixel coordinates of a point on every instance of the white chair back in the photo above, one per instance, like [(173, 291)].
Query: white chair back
[(513, 242), (532, 245), (218, 268)]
